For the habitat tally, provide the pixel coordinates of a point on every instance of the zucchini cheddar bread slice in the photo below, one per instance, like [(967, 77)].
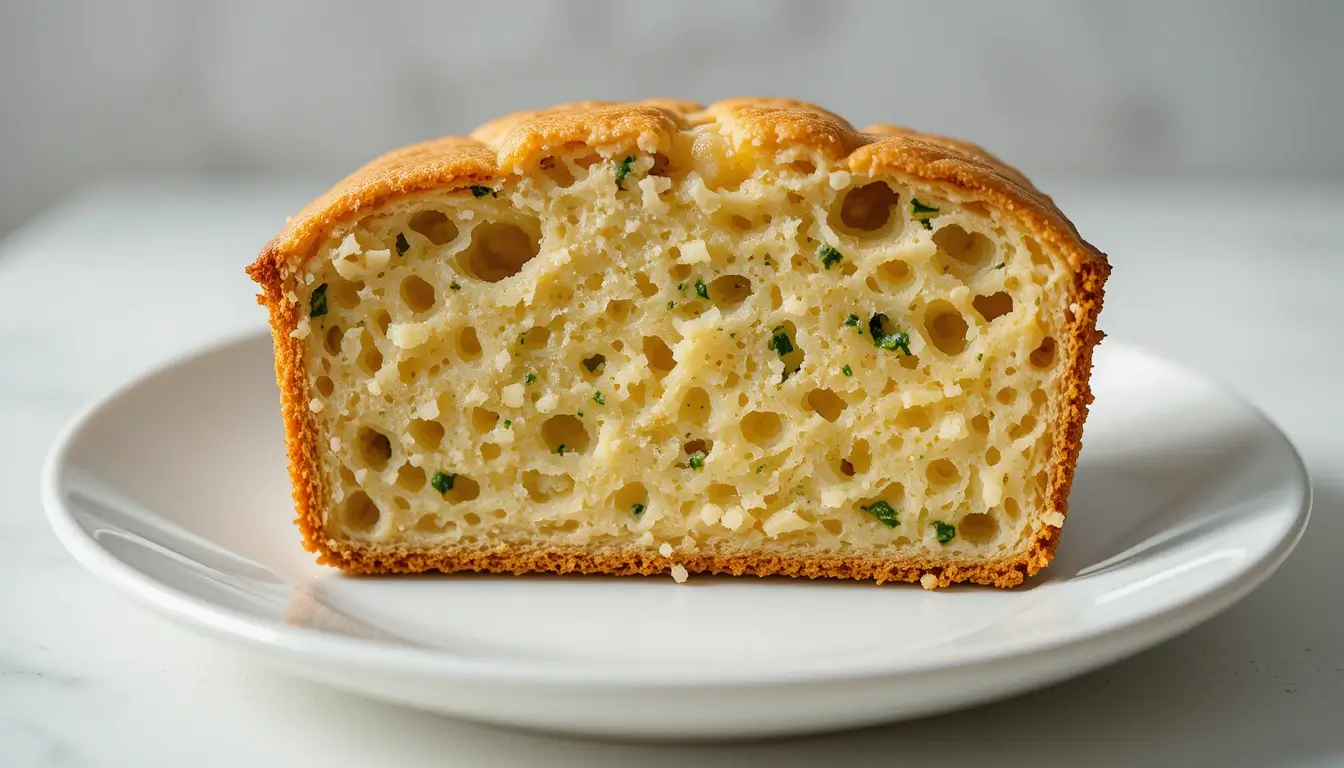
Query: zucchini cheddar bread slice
[(656, 337)]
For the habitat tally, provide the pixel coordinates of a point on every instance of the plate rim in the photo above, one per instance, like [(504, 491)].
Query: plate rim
[(1102, 644)]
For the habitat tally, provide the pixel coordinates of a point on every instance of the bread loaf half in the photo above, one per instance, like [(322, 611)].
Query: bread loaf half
[(654, 337)]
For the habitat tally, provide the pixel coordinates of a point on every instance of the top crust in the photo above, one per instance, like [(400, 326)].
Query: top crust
[(516, 145)]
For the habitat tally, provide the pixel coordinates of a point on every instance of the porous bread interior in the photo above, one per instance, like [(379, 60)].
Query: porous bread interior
[(475, 335)]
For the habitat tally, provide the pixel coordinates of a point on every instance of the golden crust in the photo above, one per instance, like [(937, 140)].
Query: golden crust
[(516, 144)]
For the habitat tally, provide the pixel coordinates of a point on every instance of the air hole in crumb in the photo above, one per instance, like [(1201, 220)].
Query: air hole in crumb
[(434, 226), (867, 209), (805, 167), (471, 518), (970, 248), (793, 359), (826, 403), (567, 431), (942, 472), (1007, 396), (382, 320), (417, 294), (410, 478), (776, 298), (698, 445), (541, 487), (679, 272), (535, 338), (946, 327), (992, 456), (978, 528), (833, 527), (427, 434), (464, 489), (498, 251), (630, 495), (846, 467), (429, 524), (557, 171), (359, 512), (1023, 427), (909, 362), (1044, 355), (345, 293), (483, 420), (594, 364), (1038, 398), (619, 309), (980, 424), (993, 306), (729, 291), (645, 285), (374, 448), (659, 356), (915, 417), (860, 457), (370, 360), (761, 427), (695, 406), (489, 451), (401, 503), (741, 223), (721, 494), (894, 272), (325, 386), (468, 345), (333, 340), (1011, 507)]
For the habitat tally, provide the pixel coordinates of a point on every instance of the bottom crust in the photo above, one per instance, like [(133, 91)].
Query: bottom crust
[(518, 559)]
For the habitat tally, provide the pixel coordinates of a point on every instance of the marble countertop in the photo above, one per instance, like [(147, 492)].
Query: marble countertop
[(1241, 280)]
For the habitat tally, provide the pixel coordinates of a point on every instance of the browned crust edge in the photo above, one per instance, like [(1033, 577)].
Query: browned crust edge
[(512, 143)]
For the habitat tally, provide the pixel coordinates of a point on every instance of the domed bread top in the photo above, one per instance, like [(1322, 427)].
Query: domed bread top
[(760, 130)]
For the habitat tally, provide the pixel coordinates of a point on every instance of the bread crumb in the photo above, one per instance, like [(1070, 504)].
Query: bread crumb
[(512, 395), (547, 402), (665, 549), (428, 410), (300, 329), (315, 405), (783, 521), (679, 573), (374, 388), (694, 252), (335, 443), (1053, 519), (839, 179), (928, 581)]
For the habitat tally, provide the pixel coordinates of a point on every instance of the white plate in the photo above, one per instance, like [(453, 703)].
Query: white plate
[(175, 490)]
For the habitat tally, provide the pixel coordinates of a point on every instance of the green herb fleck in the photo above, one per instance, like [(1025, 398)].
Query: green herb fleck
[(829, 256), (946, 531), (979, 357), (852, 320), (847, 370), (637, 510), (922, 213), (599, 398), (479, 191), (508, 423), (701, 289), (529, 378), (1001, 265), (760, 469), (732, 335), (442, 482), (697, 460), (883, 512), (455, 286), (317, 303), (623, 169), (579, 414), (671, 304), (681, 287), (402, 245), (897, 339), (780, 342), (560, 449)]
